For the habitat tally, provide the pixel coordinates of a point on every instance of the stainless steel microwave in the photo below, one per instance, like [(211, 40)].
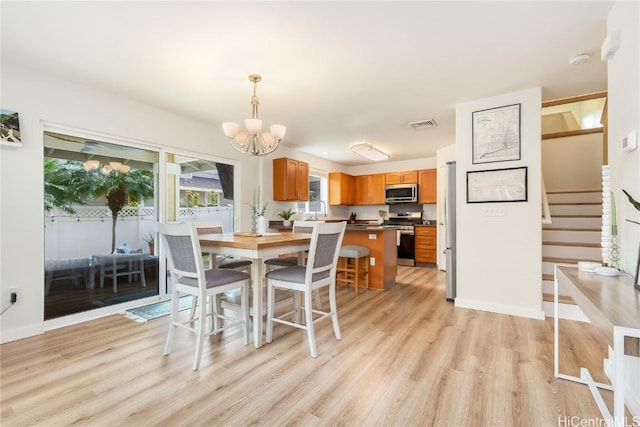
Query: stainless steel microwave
[(401, 193)]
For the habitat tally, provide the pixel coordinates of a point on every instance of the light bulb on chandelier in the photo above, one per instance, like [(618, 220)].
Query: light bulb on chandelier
[(253, 140)]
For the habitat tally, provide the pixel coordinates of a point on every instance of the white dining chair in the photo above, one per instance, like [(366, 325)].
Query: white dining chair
[(319, 272), (299, 226), (188, 276)]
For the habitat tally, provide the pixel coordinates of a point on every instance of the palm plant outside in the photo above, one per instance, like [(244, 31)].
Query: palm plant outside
[(68, 183)]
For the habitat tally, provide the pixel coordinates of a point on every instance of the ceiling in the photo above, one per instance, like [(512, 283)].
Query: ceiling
[(335, 73)]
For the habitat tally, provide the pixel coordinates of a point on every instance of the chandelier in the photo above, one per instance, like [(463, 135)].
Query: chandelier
[(107, 168), (253, 140)]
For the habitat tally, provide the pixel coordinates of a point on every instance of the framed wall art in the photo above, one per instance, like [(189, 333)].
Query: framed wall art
[(9, 128), (496, 134), (497, 185)]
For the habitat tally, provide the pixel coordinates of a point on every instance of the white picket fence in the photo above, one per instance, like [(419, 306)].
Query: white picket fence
[(88, 232)]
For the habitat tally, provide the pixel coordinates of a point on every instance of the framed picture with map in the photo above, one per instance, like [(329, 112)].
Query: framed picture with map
[(496, 134)]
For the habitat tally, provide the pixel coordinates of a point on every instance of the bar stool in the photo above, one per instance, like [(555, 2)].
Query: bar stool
[(353, 272)]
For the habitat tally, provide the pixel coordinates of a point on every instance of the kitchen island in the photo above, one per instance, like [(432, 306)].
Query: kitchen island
[(381, 241)]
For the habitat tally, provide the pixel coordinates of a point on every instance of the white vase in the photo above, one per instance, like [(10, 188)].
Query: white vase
[(262, 224), (286, 223)]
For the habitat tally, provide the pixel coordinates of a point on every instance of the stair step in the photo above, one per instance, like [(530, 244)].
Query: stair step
[(576, 244), (574, 251), (575, 229), (563, 299), (548, 277), (558, 260), (577, 196), (574, 221), (575, 236), (575, 209)]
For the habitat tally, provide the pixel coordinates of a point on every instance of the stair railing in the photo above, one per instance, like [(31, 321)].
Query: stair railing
[(546, 213)]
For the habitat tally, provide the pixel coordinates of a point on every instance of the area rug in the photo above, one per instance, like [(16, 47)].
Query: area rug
[(158, 309)]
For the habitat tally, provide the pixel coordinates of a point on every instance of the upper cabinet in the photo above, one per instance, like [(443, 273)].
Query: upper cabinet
[(427, 186), (290, 180), (341, 189), (407, 177), (370, 189)]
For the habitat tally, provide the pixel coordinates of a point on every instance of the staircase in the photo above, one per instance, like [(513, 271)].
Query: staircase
[(572, 236)]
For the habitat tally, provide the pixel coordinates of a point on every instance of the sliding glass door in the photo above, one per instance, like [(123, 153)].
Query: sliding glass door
[(99, 223)]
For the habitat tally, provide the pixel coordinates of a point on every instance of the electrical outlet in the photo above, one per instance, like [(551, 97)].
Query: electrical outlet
[(16, 291), (372, 261)]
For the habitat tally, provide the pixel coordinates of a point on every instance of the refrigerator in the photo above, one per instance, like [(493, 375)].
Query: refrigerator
[(450, 227)]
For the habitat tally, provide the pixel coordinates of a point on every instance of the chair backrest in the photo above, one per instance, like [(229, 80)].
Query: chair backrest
[(183, 253), (300, 226), (326, 241), (209, 227)]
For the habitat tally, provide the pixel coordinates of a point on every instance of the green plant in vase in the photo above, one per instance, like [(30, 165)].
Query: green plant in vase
[(286, 216), (256, 210)]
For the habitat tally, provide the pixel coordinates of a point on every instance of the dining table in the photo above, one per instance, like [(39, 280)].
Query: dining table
[(257, 247)]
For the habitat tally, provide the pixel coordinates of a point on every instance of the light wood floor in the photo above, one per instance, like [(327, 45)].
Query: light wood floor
[(407, 357)]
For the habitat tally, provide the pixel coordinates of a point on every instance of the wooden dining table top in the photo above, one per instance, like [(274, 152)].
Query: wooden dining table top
[(251, 241)]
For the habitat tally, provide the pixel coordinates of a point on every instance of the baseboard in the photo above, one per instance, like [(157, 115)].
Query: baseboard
[(21, 333), (500, 308), (565, 311)]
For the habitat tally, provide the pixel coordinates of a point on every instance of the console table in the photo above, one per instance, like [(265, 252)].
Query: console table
[(612, 304)]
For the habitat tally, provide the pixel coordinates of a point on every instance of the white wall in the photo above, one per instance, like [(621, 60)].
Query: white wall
[(499, 257), (624, 116), (572, 163)]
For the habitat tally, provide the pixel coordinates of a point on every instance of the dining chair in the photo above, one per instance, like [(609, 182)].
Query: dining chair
[(299, 226), (320, 271), (241, 264), (188, 276)]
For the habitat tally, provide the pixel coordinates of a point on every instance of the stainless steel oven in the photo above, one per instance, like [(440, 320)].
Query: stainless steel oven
[(405, 240)]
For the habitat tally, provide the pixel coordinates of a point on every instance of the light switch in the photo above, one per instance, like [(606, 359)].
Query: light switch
[(373, 236), (497, 210), (372, 261)]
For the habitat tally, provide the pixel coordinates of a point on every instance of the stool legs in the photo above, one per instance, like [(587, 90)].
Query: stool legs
[(354, 274)]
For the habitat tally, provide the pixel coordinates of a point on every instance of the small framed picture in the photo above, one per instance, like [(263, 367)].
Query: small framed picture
[(496, 134), (9, 128), (497, 185)]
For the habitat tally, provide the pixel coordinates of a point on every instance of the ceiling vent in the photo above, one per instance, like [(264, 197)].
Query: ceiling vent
[(423, 124)]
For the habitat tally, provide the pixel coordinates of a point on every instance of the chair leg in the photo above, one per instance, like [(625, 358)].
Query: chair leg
[(194, 305), (334, 310), (308, 312), (366, 269), (316, 294), (270, 311), (244, 308), (202, 324), (357, 278), (172, 323)]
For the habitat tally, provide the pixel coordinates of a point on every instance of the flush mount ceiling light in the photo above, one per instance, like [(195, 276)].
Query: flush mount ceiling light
[(579, 59), (369, 151), (253, 141)]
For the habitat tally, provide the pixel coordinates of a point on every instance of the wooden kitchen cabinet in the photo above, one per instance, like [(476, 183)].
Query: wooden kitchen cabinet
[(426, 245), (407, 177), (370, 189), (290, 180), (427, 186), (342, 188)]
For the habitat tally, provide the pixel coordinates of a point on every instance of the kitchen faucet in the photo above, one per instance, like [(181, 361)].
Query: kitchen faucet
[(324, 206)]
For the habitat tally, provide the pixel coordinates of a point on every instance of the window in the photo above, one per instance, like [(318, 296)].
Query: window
[(318, 192)]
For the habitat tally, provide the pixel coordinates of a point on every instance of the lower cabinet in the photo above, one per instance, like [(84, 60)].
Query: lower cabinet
[(426, 244)]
